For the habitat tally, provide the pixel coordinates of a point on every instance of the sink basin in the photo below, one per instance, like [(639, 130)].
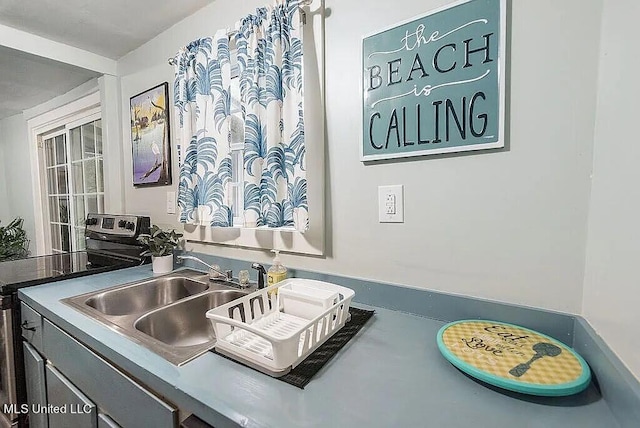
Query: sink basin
[(145, 296), (185, 323), (166, 314)]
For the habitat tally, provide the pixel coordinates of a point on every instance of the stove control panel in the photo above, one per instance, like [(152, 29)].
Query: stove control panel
[(117, 224)]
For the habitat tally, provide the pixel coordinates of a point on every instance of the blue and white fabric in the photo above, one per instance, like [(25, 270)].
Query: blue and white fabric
[(202, 106), (270, 64), (270, 59)]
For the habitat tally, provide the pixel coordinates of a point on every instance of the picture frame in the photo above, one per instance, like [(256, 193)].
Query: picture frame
[(150, 137), (435, 83)]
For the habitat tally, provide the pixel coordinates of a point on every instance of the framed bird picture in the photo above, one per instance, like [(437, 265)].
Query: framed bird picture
[(150, 144)]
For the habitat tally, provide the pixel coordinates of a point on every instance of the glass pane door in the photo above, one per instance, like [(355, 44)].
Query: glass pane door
[(57, 174), (87, 178), (75, 183)]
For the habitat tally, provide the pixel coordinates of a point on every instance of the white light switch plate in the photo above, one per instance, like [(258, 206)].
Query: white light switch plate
[(171, 202), (391, 204)]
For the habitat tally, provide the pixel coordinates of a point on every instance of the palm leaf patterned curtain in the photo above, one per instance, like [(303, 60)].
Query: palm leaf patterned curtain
[(271, 89), (202, 105), (269, 56)]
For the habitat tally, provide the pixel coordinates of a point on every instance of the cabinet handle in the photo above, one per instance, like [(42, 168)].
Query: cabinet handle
[(25, 326)]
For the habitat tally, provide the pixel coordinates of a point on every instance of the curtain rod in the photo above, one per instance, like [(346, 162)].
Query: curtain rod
[(171, 60)]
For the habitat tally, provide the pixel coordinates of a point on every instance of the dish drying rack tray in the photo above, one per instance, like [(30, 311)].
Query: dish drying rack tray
[(276, 328)]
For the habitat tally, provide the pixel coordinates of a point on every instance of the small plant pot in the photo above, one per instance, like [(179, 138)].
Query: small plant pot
[(162, 264)]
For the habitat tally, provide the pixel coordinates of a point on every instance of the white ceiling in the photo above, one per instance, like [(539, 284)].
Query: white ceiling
[(27, 80), (109, 28)]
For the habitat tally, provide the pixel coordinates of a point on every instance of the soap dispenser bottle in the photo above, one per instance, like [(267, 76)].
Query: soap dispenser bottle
[(277, 272)]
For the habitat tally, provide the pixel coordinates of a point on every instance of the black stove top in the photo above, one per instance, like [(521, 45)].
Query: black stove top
[(55, 267), (111, 244)]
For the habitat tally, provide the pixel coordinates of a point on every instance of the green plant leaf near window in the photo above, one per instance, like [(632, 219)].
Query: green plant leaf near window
[(160, 242), (14, 243)]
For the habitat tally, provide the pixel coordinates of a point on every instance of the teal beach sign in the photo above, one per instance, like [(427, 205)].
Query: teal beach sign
[(435, 84)]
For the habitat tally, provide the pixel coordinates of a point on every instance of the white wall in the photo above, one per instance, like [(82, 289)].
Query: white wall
[(112, 144), (611, 296), (40, 119), (16, 177), (149, 201), (509, 226), (17, 172)]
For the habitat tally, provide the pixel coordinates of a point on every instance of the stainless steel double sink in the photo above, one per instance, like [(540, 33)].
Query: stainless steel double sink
[(165, 314)]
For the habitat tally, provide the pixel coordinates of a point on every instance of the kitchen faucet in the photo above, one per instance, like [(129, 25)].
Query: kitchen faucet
[(214, 271), (261, 274), (216, 274)]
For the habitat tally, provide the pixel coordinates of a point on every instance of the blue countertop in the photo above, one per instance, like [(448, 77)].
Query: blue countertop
[(390, 374)]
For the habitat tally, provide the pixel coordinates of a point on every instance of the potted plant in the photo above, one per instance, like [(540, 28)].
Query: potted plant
[(13, 241), (161, 244)]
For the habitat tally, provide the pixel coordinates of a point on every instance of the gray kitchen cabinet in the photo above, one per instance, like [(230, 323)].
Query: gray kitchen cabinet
[(60, 371), (31, 326), (126, 401), (69, 406), (36, 386)]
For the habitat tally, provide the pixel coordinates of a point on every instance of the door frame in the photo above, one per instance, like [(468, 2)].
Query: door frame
[(37, 127)]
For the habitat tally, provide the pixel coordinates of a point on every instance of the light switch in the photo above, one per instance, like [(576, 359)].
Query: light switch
[(391, 204), (171, 202)]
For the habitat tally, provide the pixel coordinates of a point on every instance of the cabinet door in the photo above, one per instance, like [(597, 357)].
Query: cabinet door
[(105, 421), (74, 408), (36, 386), (125, 400)]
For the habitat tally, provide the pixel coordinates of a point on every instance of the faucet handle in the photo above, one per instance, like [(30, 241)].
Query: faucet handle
[(214, 273), (243, 278)]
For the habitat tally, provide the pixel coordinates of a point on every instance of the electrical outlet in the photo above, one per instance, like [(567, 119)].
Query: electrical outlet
[(391, 204)]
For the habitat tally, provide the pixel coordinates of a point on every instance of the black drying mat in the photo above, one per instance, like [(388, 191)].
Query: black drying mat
[(307, 369)]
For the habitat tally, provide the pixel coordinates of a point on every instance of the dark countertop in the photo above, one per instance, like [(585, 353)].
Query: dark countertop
[(30, 271), (390, 374)]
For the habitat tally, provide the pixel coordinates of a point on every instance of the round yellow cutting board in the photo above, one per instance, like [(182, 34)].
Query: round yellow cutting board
[(513, 358)]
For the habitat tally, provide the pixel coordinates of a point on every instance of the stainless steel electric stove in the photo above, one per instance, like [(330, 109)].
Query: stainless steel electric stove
[(111, 243)]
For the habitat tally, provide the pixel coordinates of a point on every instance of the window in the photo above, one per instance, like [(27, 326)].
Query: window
[(236, 136), (73, 173), (284, 238)]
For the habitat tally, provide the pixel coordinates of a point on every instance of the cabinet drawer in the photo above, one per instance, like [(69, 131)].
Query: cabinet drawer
[(127, 402), (31, 326)]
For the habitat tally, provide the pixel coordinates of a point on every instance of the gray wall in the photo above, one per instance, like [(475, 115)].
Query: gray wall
[(17, 173), (509, 226), (5, 215), (611, 295)]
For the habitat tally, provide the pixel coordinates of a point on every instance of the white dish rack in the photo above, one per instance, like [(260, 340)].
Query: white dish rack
[(276, 328)]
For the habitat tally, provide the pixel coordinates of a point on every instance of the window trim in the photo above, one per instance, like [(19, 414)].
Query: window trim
[(238, 148)]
